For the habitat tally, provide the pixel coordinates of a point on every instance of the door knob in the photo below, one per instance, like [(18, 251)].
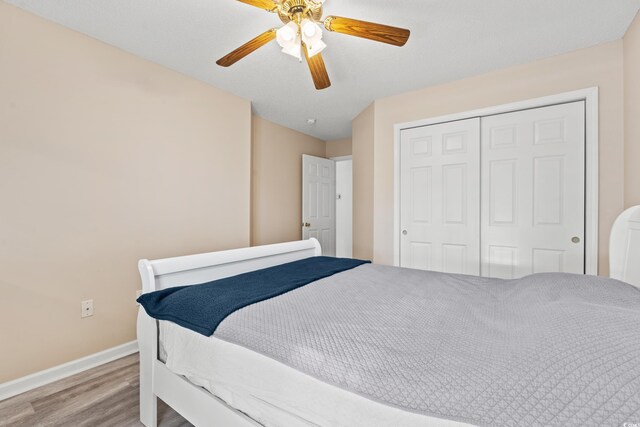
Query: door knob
[(575, 239), (404, 232)]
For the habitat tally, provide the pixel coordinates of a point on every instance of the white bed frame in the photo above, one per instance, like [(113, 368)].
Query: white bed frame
[(199, 406), (194, 403), (624, 247)]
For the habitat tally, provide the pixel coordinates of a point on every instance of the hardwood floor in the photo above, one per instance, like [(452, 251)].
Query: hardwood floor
[(103, 396)]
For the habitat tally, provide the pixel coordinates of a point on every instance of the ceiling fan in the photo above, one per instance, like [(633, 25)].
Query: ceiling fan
[(301, 34)]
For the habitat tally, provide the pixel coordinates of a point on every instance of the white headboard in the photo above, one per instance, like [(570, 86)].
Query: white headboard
[(201, 268), (624, 247)]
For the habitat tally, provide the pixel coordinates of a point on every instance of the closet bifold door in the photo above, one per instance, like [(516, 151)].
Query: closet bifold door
[(440, 197), (533, 191)]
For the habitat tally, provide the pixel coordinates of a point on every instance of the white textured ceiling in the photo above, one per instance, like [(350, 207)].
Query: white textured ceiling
[(450, 39)]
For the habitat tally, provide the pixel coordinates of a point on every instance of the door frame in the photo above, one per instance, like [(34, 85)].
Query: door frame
[(337, 160), (341, 158), (589, 95)]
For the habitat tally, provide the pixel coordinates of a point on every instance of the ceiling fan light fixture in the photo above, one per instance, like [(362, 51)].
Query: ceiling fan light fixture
[(310, 30), (288, 37), (287, 34), (312, 37), (293, 48)]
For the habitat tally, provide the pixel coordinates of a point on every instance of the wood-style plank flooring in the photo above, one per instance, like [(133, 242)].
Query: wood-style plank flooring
[(103, 396)]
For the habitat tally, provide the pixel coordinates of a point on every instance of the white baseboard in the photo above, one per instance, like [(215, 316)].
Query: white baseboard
[(35, 380)]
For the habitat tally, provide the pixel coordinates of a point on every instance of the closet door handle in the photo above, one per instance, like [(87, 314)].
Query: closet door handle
[(404, 232), (575, 239)]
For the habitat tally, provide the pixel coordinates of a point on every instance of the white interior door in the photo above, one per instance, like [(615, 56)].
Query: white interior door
[(440, 197), (533, 191), (344, 208), (318, 202)]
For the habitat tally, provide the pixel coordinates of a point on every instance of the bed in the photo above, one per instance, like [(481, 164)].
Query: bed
[(579, 341)]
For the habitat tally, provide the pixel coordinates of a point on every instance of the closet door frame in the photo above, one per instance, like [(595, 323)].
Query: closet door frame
[(590, 97)]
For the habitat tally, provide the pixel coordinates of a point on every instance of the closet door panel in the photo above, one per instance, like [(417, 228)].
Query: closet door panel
[(439, 197), (533, 165)]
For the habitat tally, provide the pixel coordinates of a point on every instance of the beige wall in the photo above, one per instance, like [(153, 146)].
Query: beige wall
[(632, 113), (338, 148), (363, 135), (276, 192), (600, 66), (104, 159)]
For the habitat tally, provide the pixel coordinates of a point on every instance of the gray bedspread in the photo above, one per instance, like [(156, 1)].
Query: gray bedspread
[(547, 349)]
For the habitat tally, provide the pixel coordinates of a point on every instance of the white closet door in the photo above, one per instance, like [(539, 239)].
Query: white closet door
[(533, 166), (439, 200)]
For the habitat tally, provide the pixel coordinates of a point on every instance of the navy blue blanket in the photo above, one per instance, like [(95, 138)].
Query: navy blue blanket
[(203, 307)]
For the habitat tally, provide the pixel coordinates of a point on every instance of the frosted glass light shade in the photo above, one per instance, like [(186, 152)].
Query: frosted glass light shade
[(312, 37), (293, 48), (315, 48), (287, 34), (288, 37), (309, 29)]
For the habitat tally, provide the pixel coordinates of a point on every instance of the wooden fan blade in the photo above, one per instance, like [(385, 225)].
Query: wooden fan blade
[(368, 30), (268, 5), (318, 70), (247, 48)]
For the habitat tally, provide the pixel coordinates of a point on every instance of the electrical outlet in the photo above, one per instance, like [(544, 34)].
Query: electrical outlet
[(87, 308)]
